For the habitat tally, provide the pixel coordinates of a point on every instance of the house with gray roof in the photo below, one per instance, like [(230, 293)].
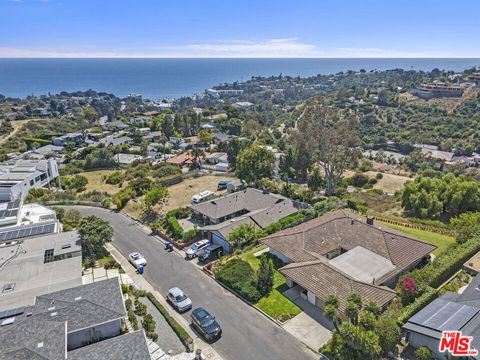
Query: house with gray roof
[(250, 206), (450, 312), (83, 322), (341, 253)]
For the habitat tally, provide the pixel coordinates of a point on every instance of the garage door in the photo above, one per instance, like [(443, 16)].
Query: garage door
[(216, 239)]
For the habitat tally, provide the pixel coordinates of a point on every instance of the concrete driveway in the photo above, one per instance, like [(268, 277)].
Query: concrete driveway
[(310, 326), (246, 335)]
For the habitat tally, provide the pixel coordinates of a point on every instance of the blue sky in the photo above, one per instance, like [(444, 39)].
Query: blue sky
[(247, 28)]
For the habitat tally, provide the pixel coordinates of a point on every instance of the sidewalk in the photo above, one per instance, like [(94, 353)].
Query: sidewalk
[(143, 284)]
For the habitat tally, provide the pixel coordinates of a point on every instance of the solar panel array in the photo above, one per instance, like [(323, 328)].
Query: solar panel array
[(13, 205), (444, 315), (12, 209), (25, 232), (12, 312)]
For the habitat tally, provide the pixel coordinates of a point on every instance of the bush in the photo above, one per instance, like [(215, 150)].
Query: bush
[(114, 178), (133, 319), (174, 228), (140, 308), (423, 353), (152, 335), (359, 180), (423, 300), (179, 330), (128, 303), (148, 323), (190, 235), (240, 277), (179, 213)]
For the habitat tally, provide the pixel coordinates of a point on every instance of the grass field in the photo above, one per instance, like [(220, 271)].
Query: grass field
[(441, 241), (275, 304), (95, 181)]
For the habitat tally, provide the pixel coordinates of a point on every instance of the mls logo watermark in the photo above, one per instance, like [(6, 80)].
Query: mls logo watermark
[(456, 344)]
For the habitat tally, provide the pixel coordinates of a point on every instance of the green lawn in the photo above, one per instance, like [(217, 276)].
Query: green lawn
[(441, 241), (275, 304)]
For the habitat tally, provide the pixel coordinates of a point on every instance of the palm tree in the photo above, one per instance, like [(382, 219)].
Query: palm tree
[(330, 312)]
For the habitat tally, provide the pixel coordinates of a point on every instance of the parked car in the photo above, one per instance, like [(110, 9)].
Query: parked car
[(206, 324), (179, 300), (137, 259), (211, 252), (196, 247), (222, 184)]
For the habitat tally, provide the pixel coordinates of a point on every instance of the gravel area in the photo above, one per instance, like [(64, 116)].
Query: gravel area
[(167, 339)]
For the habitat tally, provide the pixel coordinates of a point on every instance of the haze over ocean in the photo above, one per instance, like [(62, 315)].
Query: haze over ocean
[(170, 78)]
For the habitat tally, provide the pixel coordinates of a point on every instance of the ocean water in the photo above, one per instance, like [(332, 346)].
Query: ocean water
[(171, 78)]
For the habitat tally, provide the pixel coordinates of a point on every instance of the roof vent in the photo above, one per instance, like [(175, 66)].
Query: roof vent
[(53, 313), (8, 321), (370, 220), (78, 298), (39, 345), (51, 308)]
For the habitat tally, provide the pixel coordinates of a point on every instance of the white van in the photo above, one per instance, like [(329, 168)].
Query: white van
[(201, 197)]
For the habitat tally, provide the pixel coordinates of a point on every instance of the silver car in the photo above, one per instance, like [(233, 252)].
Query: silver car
[(196, 247), (179, 300), (137, 259)]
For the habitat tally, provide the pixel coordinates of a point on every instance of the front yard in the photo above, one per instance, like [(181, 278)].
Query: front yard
[(275, 304), (439, 240)]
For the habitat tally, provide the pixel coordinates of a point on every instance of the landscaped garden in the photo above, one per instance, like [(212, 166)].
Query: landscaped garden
[(239, 273)]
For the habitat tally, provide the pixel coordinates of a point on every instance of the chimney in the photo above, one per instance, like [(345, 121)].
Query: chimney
[(370, 220)]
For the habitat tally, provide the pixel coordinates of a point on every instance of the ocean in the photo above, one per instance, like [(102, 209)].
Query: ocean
[(172, 78)]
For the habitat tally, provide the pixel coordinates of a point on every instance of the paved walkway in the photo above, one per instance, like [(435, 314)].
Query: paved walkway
[(143, 284)]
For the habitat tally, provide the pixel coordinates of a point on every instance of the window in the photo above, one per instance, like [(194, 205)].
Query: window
[(48, 257), (8, 287)]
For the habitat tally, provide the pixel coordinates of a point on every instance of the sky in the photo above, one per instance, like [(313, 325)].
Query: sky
[(241, 28)]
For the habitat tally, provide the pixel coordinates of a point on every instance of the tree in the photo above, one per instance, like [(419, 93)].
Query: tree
[(264, 276), (315, 180), (99, 158), (90, 115), (373, 307), (466, 225), (244, 234), (167, 126), (234, 147), (255, 163), (367, 320), (354, 305), (389, 334), (205, 136), (327, 134), (95, 231), (71, 219), (423, 353), (287, 164), (363, 344), (158, 196)]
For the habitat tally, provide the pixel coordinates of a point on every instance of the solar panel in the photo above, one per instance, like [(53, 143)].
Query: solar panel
[(25, 232), (12, 312), (460, 318)]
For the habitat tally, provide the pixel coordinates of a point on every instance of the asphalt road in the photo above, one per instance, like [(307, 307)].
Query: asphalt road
[(247, 334)]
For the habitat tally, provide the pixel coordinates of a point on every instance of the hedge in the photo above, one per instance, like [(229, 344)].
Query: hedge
[(190, 235), (176, 327), (179, 213), (446, 264), (423, 300), (238, 275), (174, 228)]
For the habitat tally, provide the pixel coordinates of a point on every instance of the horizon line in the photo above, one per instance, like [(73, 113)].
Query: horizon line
[(236, 58)]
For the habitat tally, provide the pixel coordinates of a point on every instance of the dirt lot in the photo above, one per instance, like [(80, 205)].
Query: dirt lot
[(389, 183), (95, 181), (181, 194)]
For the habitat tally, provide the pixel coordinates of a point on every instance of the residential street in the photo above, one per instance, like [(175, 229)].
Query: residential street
[(247, 334)]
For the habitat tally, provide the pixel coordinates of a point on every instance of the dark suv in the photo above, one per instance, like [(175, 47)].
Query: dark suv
[(211, 252), (206, 324)]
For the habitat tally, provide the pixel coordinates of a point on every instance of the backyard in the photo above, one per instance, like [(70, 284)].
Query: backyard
[(96, 182), (440, 240), (274, 304)]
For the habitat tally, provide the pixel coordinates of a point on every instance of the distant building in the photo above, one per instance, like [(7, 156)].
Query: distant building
[(118, 125), (127, 159), (140, 119), (18, 177), (437, 90), (76, 138)]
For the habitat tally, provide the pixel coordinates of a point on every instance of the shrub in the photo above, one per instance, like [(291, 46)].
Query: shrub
[(152, 335), (128, 304), (423, 353), (179, 213), (190, 235), (114, 178), (174, 228), (379, 176), (359, 180), (133, 319), (240, 277), (140, 308), (176, 327), (408, 311), (148, 323)]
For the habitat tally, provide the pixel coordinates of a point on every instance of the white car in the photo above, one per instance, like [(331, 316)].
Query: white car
[(137, 259), (179, 300), (195, 248)]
